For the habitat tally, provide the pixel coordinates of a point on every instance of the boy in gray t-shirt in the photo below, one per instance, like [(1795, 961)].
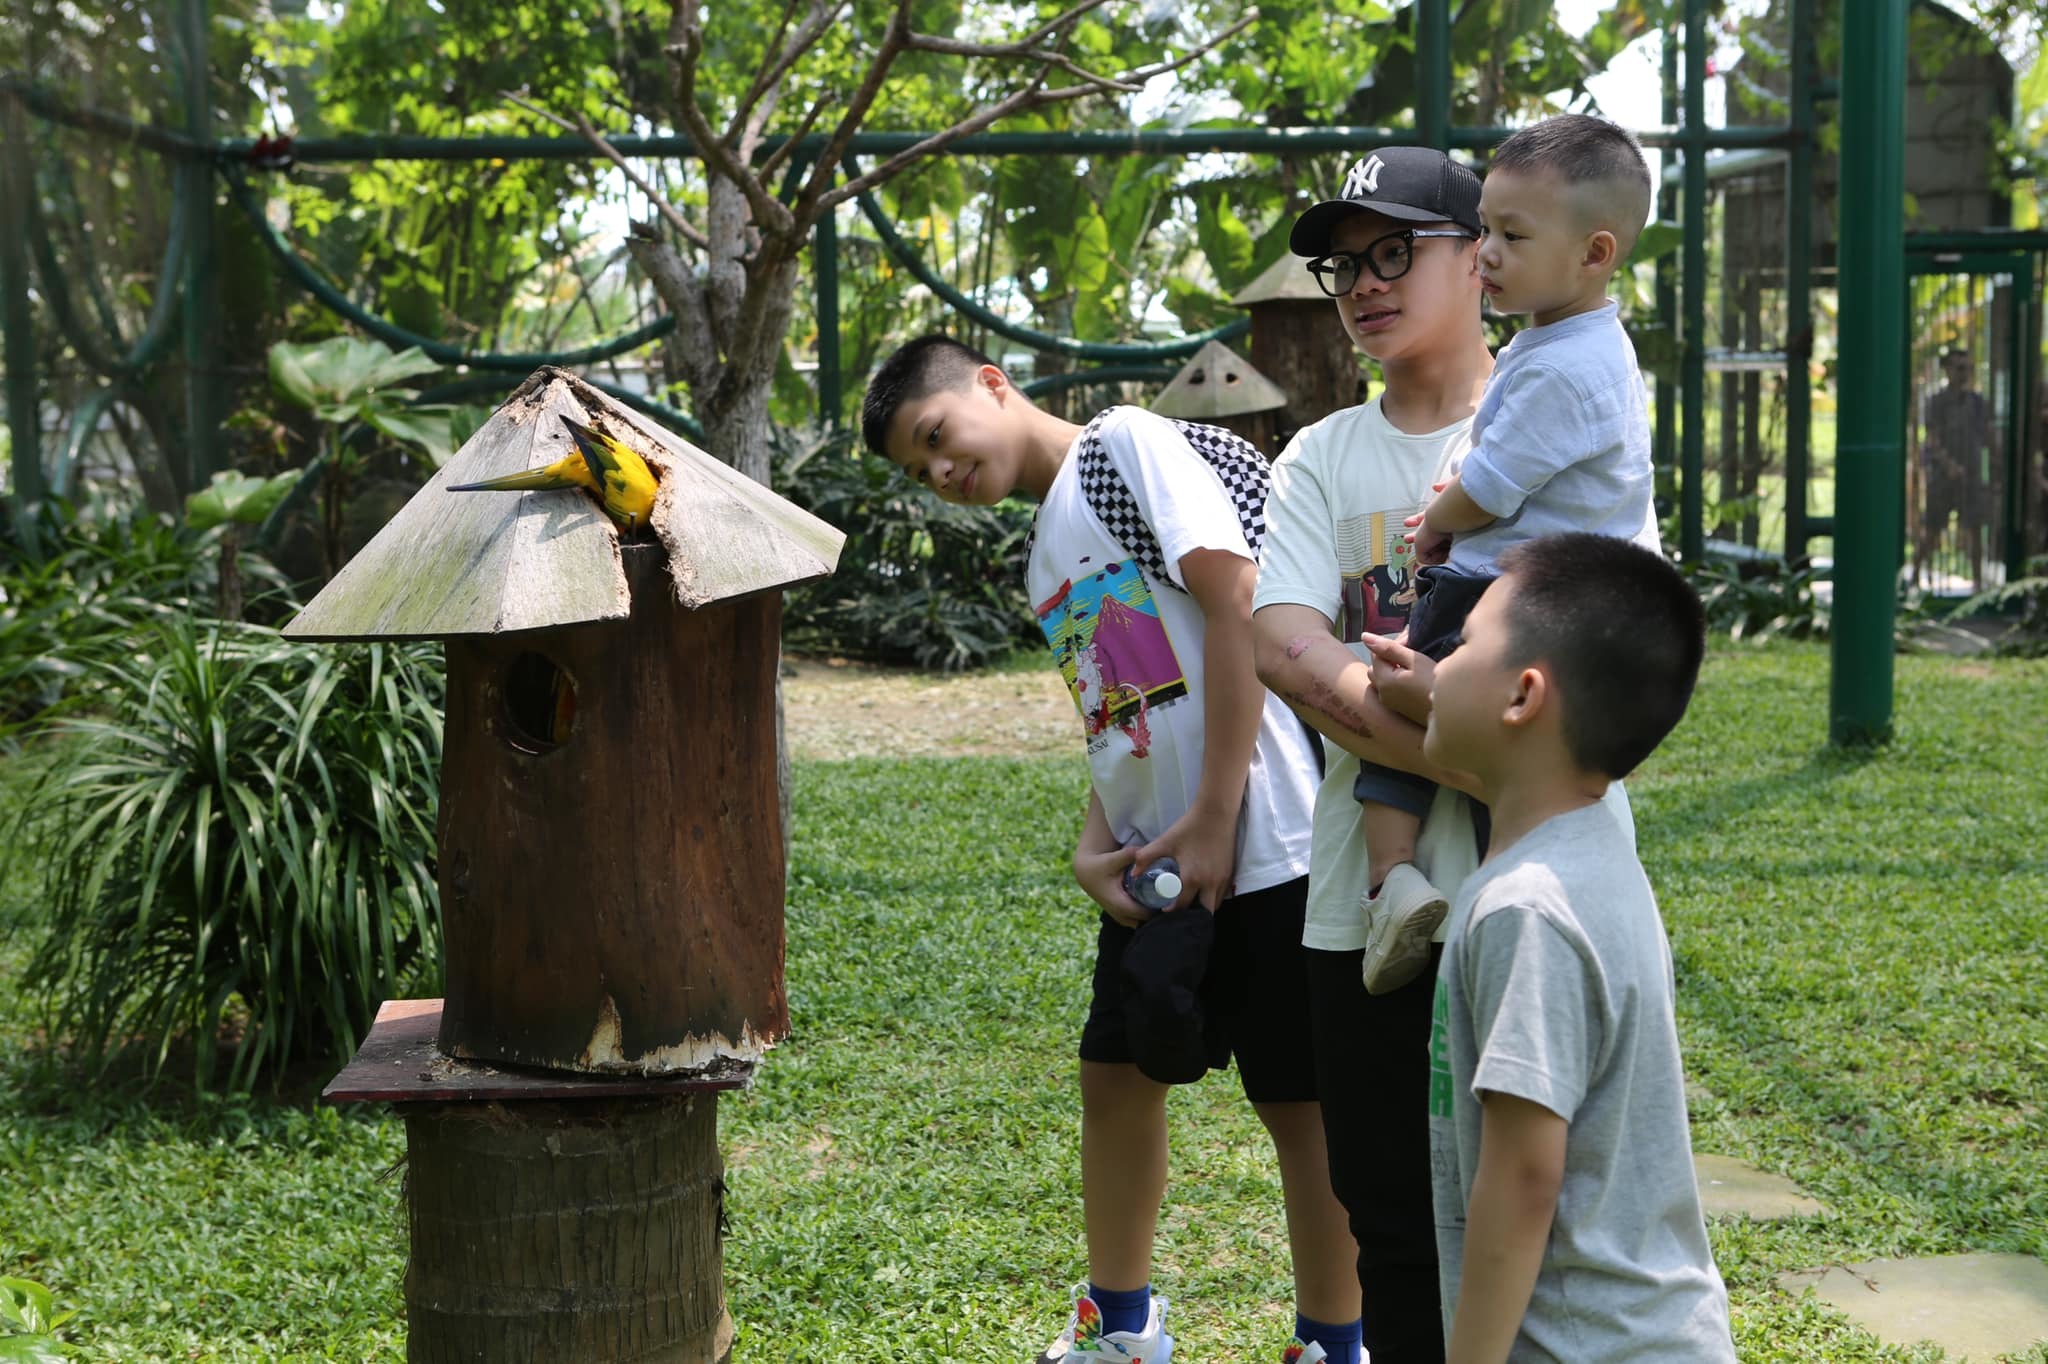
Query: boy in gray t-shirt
[(1568, 1215)]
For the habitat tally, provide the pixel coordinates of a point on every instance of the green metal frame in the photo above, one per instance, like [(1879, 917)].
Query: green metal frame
[(1874, 33)]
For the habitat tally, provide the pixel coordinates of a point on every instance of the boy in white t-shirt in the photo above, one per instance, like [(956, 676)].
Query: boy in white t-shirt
[(1561, 441), (1140, 573)]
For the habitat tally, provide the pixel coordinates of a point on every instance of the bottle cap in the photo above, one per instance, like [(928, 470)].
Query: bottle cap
[(1167, 885)]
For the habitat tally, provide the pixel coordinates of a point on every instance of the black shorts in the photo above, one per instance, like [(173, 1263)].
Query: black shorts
[(1255, 995)]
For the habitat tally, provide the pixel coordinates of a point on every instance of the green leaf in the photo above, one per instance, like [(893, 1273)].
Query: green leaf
[(238, 498), (430, 429), (37, 1349), (341, 370), (1657, 239)]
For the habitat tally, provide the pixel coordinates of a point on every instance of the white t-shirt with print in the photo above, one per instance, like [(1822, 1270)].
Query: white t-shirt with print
[(1130, 651), (1336, 542)]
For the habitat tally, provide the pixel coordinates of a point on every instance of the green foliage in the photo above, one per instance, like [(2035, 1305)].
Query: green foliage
[(920, 581), (2026, 600), (237, 499), (1763, 600), (344, 379), (241, 838), (104, 574), (28, 1323), (1843, 1023)]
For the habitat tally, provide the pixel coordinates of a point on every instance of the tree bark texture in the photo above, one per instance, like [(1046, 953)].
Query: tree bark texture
[(613, 894), (583, 1233), (1302, 346)]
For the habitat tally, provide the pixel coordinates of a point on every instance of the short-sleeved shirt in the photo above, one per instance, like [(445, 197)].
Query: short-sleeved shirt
[(1556, 987), (1130, 650), (1336, 542), (1561, 441)]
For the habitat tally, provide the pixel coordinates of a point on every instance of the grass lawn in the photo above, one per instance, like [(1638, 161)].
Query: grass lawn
[(1863, 1003)]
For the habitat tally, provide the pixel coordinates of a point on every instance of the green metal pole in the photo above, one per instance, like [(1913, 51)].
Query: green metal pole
[(1870, 454), (17, 322), (1665, 458), (1799, 288), (202, 299), (1433, 73), (825, 248), (1693, 345)]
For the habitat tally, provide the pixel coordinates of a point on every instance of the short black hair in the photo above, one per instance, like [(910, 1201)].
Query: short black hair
[(916, 370), (1583, 150), (1621, 633)]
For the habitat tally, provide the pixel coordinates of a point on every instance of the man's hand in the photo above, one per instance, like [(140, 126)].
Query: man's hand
[(1204, 844), (1101, 875), (1401, 676)]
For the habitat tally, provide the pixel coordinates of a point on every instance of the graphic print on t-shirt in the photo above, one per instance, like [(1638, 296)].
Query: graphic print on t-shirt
[(1377, 562), (1113, 651)]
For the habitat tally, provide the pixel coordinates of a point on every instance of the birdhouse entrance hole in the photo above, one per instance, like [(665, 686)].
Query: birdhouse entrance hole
[(538, 701)]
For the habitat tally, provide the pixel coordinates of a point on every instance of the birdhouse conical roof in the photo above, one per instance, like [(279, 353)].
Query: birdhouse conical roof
[(479, 563), (1287, 278), (1218, 382)]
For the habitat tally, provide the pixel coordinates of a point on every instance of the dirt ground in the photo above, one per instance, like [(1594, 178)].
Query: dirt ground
[(838, 709)]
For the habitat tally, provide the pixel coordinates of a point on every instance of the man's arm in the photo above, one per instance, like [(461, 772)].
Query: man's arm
[(1507, 1224), (1329, 686), (1203, 841)]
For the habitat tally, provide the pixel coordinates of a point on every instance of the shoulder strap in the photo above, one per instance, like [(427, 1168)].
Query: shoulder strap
[(1246, 477)]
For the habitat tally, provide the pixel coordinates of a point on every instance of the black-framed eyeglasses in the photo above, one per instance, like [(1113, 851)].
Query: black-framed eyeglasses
[(1388, 257)]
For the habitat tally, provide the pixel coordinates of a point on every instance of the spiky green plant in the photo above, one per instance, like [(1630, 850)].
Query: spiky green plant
[(237, 849)]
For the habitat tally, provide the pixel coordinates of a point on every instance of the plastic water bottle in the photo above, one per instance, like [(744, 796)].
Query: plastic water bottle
[(1157, 886)]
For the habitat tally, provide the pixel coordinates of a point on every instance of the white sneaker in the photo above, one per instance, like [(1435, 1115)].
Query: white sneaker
[(1083, 1342), (1399, 922), (1298, 1353)]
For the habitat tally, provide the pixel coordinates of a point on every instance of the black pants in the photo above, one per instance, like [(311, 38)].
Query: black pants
[(1443, 598), (1372, 1074)]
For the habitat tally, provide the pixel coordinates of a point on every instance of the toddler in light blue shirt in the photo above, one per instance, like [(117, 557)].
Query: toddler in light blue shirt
[(1561, 442)]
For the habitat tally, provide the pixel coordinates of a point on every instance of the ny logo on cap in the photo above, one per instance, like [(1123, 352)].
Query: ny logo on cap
[(1364, 178)]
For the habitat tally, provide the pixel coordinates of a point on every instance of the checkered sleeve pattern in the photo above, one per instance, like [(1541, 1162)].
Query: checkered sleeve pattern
[(1246, 477)]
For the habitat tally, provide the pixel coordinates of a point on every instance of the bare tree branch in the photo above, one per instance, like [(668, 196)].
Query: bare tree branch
[(769, 214), (826, 170), (787, 148), (769, 78), (582, 126), (683, 294), (1033, 96), (1026, 46)]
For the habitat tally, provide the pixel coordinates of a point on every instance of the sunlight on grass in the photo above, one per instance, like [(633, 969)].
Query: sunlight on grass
[(1857, 940)]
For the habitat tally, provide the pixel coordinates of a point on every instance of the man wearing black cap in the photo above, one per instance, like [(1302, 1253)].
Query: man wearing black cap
[(1396, 251)]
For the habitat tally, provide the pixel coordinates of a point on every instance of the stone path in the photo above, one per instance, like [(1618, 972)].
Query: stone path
[(1729, 1188), (1975, 1307)]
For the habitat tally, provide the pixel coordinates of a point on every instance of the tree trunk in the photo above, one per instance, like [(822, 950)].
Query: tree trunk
[(585, 1231)]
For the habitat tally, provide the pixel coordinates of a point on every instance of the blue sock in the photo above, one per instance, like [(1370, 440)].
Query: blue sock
[(1342, 1343), (1123, 1310)]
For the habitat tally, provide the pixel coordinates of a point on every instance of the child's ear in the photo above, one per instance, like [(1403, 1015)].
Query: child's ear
[(1602, 250), (992, 378), (1528, 700)]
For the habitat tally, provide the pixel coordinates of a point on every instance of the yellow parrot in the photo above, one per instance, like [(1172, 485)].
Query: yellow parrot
[(628, 482), (600, 464)]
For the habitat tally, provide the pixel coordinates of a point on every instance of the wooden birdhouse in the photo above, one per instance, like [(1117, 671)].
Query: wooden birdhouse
[(1218, 386), (1297, 335), (611, 873), (611, 859)]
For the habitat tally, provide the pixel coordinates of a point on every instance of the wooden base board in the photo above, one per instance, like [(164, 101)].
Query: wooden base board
[(399, 1063)]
